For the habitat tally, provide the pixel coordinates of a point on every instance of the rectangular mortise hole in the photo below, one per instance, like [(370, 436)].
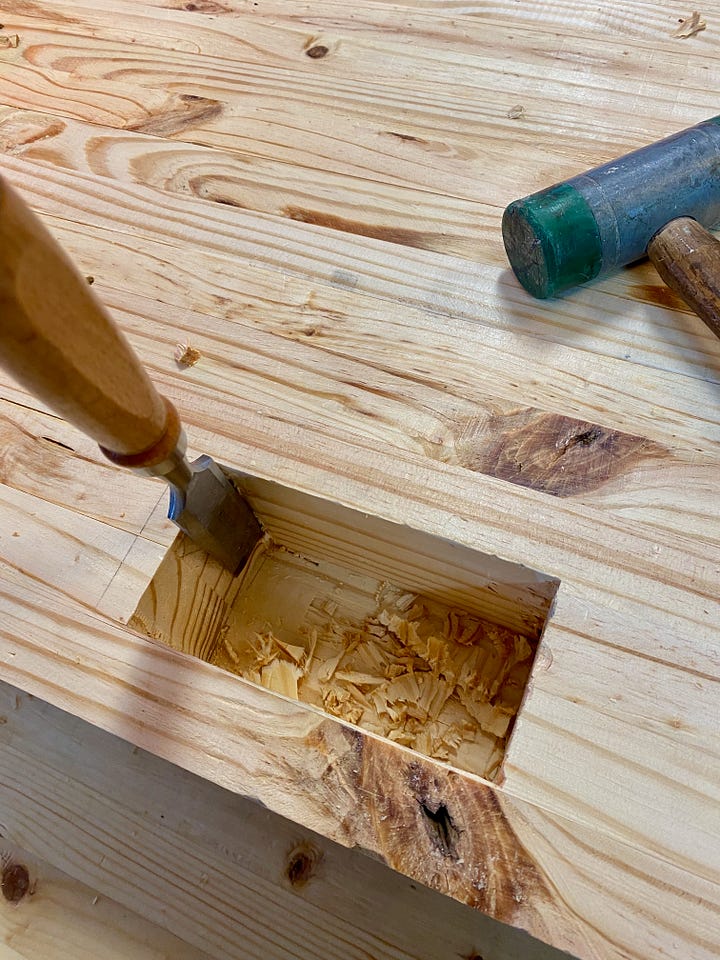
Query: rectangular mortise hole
[(408, 635)]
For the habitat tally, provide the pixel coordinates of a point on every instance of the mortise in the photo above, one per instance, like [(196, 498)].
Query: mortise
[(402, 634)]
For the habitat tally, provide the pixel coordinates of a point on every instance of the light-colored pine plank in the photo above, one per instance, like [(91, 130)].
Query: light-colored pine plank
[(645, 19), (442, 286), (459, 140), (398, 214), (117, 796), (65, 919)]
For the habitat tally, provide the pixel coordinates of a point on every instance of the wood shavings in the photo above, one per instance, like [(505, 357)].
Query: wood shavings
[(265, 648), (186, 356), (432, 678), (428, 682), (9, 42), (311, 652), (516, 113), (230, 650), (280, 676), (297, 653), (689, 26)]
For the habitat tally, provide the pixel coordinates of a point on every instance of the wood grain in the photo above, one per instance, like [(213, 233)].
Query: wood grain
[(310, 198), (113, 814), (62, 918), (447, 287), (350, 785)]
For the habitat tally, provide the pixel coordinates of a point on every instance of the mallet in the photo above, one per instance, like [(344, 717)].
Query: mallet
[(655, 202)]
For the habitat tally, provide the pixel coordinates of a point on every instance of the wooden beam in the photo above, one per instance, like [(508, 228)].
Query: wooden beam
[(324, 230)]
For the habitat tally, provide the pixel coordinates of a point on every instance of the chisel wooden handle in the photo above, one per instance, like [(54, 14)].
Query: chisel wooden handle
[(59, 341), (687, 257)]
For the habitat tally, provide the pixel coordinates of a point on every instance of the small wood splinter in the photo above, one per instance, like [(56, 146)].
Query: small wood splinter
[(689, 26)]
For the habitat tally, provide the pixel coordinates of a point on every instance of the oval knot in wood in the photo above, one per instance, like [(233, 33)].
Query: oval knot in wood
[(302, 864), (15, 882)]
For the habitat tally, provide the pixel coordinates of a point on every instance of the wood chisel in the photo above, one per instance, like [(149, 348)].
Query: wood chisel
[(59, 341)]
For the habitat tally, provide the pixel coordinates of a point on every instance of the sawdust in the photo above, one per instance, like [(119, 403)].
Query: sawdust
[(689, 26)]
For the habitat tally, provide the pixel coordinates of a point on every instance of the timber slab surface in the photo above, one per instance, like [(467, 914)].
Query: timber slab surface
[(306, 198)]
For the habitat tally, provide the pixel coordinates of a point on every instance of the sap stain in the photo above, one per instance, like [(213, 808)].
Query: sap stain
[(21, 130), (401, 235), (15, 882), (205, 6), (302, 864), (180, 114), (658, 294), (550, 452)]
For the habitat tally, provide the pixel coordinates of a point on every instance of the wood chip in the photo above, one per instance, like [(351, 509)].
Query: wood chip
[(690, 26), (309, 659), (359, 679), (516, 112), (296, 653), (186, 356), (281, 677), (230, 650), (330, 667)]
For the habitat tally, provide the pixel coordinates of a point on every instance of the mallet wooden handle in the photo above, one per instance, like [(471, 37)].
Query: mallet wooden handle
[(687, 257), (59, 341)]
